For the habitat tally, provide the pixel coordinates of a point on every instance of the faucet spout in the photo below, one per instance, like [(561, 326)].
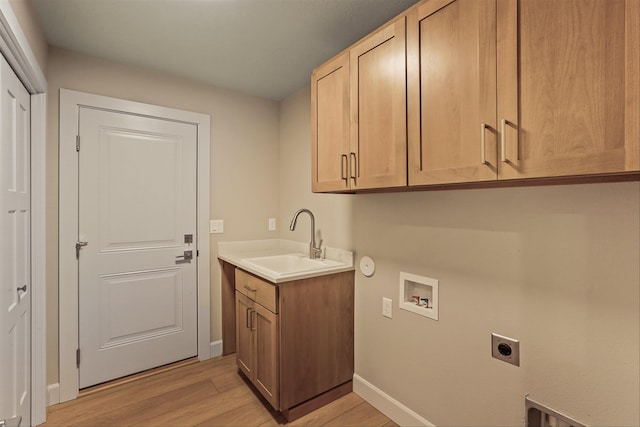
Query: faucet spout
[(314, 251)]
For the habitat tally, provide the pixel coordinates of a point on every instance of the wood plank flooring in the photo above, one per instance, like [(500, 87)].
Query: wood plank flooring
[(209, 393)]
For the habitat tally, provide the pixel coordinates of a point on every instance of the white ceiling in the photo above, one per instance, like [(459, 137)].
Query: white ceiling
[(266, 48)]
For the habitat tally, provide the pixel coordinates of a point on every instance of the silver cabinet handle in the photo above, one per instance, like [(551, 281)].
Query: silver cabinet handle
[(352, 155), (483, 143), (252, 317), (503, 141), (247, 318), (343, 167), (247, 287)]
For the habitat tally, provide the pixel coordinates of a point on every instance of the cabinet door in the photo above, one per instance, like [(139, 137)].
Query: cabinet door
[(451, 80), (330, 125), (378, 156), (568, 87), (244, 335), (265, 324)]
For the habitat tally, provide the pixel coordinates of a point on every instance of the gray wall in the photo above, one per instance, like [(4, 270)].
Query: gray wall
[(244, 155), (555, 267)]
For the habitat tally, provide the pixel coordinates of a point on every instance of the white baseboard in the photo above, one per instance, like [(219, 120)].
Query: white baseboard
[(386, 404), (216, 348), (53, 394)]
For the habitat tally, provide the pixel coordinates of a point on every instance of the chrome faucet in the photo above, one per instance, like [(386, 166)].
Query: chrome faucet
[(314, 251)]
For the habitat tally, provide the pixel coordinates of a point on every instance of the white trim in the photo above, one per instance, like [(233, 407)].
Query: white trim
[(38, 259), (216, 348), (16, 50), (386, 404), (53, 394), (69, 106)]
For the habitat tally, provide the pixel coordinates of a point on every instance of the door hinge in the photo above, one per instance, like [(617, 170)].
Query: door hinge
[(77, 142), (78, 357)]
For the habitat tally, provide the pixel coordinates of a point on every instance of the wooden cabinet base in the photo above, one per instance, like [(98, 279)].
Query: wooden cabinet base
[(317, 402)]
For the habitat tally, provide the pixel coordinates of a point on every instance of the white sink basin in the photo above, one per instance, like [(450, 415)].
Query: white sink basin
[(280, 265)]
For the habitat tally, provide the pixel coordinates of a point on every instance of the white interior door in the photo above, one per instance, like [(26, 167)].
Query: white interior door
[(137, 202), (15, 250)]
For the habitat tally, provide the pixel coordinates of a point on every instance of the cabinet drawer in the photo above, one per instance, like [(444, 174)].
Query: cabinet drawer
[(262, 292)]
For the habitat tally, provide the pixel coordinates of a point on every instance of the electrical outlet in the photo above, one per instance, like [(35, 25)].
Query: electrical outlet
[(386, 307), (505, 349), (272, 224)]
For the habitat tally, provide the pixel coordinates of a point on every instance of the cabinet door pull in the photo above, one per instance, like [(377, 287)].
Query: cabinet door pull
[(248, 317), (247, 287), (353, 165), (252, 317), (483, 143), (503, 141), (343, 167)]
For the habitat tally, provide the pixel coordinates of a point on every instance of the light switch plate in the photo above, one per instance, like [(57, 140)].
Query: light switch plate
[(272, 224), (216, 226)]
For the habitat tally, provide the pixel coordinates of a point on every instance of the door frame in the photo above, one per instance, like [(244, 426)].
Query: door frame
[(17, 51), (70, 102)]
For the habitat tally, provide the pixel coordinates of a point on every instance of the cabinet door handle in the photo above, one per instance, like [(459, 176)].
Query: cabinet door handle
[(503, 141), (247, 287), (252, 317), (248, 317), (483, 143), (344, 166), (354, 163)]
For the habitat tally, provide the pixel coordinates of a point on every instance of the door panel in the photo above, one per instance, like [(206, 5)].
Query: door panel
[(378, 109), (244, 336), (266, 364), (330, 125), (565, 91), (134, 215), (15, 248), (121, 297), (137, 201), (452, 86)]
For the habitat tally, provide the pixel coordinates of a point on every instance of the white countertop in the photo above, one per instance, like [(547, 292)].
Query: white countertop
[(235, 252)]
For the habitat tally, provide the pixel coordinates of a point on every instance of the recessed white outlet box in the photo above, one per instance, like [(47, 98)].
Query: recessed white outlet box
[(387, 307), (272, 224), (216, 226), (419, 294)]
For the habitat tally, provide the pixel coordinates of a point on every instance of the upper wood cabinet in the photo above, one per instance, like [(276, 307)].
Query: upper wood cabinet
[(330, 125), (378, 157), (358, 115), (568, 91), (512, 89), (495, 90), (452, 92)]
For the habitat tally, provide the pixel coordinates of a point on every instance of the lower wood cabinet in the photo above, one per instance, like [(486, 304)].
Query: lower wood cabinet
[(257, 346), (294, 340)]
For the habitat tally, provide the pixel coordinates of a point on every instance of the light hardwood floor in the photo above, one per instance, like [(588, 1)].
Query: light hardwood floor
[(209, 393)]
